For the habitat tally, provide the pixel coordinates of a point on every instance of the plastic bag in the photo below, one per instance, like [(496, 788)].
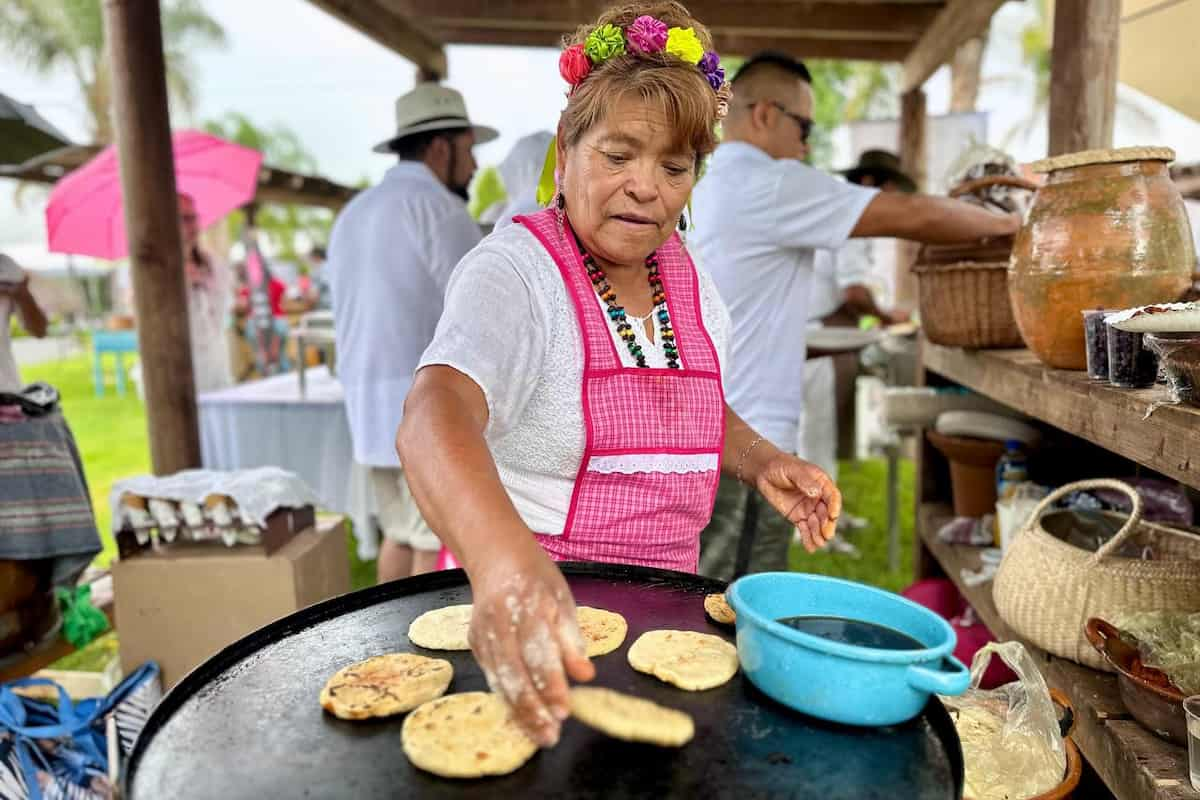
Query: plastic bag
[(1012, 746), (82, 621), (57, 750), (968, 530), (1162, 501)]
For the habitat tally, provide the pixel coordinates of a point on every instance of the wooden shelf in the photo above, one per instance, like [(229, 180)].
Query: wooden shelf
[(44, 656), (1133, 762), (1167, 442)]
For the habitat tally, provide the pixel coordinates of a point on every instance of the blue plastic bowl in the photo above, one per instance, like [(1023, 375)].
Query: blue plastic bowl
[(832, 680)]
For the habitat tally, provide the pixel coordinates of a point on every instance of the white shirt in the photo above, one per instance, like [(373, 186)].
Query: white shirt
[(390, 255), (834, 271), (10, 376), (209, 303), (510, 326), (757, 222)]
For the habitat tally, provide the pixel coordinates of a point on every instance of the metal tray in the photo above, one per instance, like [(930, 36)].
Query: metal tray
[(247, 724)]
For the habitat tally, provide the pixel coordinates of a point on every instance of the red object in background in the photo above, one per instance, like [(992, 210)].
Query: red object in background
[(275, 292), (942, 597)]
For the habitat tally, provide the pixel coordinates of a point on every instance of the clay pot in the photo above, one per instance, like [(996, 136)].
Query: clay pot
[(1107, 230), (972, 471)]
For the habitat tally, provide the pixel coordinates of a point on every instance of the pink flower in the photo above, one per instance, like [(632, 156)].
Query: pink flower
[(574, 65), (646, 35)]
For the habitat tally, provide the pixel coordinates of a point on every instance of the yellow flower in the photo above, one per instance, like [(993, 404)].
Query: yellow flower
[(684, 43)]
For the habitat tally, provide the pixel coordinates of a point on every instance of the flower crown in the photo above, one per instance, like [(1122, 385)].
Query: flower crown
[(646, 35)]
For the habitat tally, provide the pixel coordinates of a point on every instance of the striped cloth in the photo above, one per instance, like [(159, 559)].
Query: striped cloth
[(45, 509)]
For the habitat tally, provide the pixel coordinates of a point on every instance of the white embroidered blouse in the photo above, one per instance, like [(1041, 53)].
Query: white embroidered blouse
[(509, 325)]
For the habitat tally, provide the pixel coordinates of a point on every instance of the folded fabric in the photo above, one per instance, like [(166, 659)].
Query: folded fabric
[(45, 509)]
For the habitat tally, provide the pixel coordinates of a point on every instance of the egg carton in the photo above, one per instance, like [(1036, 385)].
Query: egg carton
[(158, 523)]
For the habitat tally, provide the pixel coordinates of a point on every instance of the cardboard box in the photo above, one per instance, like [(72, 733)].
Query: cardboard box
[(183, 605)]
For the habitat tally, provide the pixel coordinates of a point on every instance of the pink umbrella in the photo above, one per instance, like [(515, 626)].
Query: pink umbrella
[(85, 214)]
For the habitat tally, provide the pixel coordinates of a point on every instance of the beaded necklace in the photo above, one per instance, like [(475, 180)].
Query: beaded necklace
[(616, 312)]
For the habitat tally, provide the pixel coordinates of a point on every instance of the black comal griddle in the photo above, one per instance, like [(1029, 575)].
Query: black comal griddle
[(247, 723)]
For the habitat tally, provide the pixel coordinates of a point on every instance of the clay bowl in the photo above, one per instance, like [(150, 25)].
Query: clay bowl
[(1159, 708)]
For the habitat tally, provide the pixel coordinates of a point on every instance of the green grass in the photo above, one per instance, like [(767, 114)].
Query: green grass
[(110, 431), (111, 434), (864, 492)]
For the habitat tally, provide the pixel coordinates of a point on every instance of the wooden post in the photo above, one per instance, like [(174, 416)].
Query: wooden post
[(133, 31), (1083, 74), (966, 73), (912, 161)]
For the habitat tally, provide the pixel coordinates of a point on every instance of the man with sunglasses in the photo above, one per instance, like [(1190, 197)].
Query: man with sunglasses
[(760, 214)]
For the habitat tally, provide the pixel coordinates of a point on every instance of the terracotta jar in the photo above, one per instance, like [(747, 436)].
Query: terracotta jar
[(1107, 230)]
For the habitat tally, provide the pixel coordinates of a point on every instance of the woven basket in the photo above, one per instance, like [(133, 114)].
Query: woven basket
[(965, 304), (1046, 589)]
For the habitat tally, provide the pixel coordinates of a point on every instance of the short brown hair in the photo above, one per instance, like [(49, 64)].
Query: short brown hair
[(674, 86)]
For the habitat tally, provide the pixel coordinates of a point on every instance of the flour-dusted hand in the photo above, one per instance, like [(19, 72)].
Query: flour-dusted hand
[(525, 635), (804, 494)]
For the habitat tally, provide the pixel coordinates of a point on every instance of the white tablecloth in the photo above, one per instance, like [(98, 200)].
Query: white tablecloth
[(268, 423)]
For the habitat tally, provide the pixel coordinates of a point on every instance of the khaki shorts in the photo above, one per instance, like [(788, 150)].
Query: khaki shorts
[(399, 517)]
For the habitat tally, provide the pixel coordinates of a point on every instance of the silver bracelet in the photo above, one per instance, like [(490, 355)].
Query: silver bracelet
[(745, 455)]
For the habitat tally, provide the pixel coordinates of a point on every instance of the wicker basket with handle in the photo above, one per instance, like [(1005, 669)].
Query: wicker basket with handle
[(1047, 589), (963, 289)]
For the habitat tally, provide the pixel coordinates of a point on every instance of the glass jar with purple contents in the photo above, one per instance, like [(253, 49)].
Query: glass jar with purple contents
[(1095, 334), (1130, 364)]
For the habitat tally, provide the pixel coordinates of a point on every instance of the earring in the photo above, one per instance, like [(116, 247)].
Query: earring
[(683, 222), (560, 205)]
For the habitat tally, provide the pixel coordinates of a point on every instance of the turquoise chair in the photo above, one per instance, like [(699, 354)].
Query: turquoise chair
[(118, 343)]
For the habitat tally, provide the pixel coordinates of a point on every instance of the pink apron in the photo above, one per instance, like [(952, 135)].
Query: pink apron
[(652, 452)]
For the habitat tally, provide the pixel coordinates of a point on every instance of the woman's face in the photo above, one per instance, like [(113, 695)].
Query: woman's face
[(626, 183)]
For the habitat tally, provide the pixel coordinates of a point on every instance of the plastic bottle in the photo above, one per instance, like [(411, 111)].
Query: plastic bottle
[(1011, 470)]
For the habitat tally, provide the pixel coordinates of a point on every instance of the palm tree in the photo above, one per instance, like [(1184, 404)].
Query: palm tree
[(281, 223), (53, 34)]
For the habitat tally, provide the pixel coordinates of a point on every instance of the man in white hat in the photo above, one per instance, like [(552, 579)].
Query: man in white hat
[(390, 255)]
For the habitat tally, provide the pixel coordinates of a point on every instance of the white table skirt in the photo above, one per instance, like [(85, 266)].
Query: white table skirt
[(267, 423)]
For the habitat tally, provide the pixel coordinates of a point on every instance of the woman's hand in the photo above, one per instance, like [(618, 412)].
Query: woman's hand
[(525, 635), (804, 494)]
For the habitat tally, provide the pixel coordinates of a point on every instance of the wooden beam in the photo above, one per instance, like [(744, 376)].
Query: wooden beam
[(380, 21), (274, 185), (862, 50), (906, 21), (1083, 74), (912, 160), (133, 31), (959, 21)]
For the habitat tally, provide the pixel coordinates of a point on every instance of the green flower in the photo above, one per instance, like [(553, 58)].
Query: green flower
[(684, 43), (604, 43)]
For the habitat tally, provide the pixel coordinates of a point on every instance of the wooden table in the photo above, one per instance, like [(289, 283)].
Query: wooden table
[(1132, 762)]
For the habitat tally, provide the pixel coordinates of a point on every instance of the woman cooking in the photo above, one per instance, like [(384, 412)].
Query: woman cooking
[(570, 406)]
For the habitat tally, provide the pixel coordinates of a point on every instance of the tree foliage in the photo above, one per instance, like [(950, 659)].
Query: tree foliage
[(49, 35)]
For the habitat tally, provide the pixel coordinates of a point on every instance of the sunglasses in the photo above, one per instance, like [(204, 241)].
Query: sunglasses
[(805, 124)]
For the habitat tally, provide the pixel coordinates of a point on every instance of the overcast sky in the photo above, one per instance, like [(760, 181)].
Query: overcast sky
[(288, 62)]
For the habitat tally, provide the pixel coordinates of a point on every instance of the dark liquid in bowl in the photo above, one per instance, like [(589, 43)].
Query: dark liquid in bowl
[(854, 632)]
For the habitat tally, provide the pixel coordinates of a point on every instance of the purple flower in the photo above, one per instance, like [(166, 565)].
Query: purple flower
[(710, 65), (646, 35)]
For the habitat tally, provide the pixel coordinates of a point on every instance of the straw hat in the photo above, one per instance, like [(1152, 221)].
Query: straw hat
[(432, 107)]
